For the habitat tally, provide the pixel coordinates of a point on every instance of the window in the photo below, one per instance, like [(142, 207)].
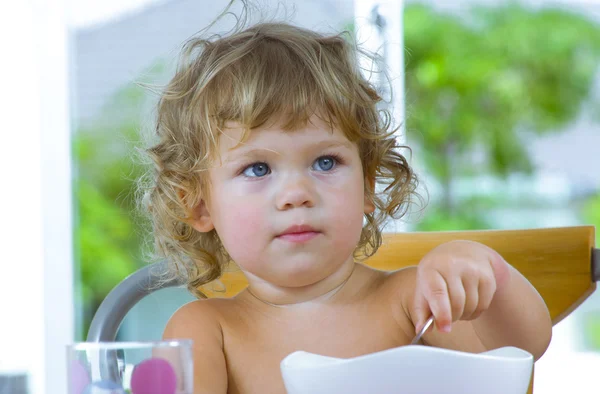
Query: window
[(501, 103)]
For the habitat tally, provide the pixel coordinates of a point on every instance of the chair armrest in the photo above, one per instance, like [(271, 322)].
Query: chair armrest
[(122, 298)]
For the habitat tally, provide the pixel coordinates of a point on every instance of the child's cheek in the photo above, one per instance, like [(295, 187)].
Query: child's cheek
[(245, 231), (347, 227)]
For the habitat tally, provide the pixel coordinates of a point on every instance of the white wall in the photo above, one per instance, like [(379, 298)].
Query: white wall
[(36, 301), (390, 44)]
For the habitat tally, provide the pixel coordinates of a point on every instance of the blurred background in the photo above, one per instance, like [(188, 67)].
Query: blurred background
[(501, 102)]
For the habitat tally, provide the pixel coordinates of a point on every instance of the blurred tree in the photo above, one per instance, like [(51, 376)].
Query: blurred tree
[(108, 231), (591, 216), (481, 81), (591, 327), (106, 239)]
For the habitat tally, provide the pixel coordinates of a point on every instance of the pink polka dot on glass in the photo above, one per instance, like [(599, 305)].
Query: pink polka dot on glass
[(153, 376), (79, 377)]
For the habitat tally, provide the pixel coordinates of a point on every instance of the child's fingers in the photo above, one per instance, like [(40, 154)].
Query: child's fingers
[(421, 311), (458, 297), (470, 285), (486, 289), (438, 298)]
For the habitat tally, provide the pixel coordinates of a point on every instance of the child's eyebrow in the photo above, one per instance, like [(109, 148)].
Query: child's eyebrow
[(241, 154), (248, 152), (334, 144)]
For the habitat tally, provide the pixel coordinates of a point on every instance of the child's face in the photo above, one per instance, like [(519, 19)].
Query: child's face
[(288, 205)]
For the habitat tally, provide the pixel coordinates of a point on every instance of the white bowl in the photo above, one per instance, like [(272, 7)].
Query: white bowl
[(413, 369)]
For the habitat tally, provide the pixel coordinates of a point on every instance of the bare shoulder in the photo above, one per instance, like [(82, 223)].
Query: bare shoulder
[(191, 316), (391, 290), (200, 321), (399, 286)]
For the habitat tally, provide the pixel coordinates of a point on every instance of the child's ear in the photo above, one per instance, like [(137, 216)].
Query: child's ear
[(200, 219), (369, 191)]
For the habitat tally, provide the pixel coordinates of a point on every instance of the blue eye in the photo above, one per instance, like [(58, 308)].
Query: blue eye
[(325, 163), (257, 170)]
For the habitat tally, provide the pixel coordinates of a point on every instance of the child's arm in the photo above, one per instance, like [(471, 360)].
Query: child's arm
[(492, 303), (197, 321)]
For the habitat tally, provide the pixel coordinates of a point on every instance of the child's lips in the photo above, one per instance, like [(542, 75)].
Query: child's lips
[(299, 233), (299, 237)]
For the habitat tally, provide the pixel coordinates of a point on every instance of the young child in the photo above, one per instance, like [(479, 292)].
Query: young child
[(270, 144)]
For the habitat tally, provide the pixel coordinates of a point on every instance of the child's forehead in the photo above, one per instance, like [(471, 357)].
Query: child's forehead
[(316, 131)]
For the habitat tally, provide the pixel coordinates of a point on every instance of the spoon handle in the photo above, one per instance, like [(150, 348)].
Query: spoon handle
[(423, 331)]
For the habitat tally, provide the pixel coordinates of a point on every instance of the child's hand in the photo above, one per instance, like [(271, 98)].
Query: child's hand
[(457, 281)]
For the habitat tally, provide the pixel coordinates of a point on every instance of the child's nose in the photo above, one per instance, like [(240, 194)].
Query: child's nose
[(294, 193)]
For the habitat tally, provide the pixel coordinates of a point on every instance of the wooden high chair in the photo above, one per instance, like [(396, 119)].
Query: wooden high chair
[(561, 263)]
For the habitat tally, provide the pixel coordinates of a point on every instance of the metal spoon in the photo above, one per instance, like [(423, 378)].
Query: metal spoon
[(423, 330)]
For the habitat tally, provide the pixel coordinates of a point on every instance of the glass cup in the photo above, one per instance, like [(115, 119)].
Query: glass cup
[(162, 367)]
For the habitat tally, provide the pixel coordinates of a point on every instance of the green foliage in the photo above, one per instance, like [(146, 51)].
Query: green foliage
[(469, 215), (592, 330), (591, 323), (440, 220), (591, 214), (478, 80), (107, 231)]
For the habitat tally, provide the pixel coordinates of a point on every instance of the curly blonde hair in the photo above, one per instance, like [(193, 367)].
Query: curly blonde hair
[(253, 76)]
